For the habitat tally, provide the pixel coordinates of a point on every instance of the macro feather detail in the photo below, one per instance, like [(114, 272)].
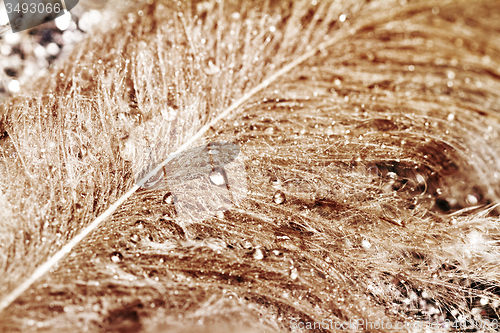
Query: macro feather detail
[(368, 135)]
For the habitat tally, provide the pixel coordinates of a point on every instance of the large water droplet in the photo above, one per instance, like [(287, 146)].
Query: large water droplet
[(116, 257), (471, 199), (279, 197), (218, 177), (169, 198), (258, 255)]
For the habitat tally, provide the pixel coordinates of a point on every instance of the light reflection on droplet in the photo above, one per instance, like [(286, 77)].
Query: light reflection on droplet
[(140, 224), (258, 255), (471, 199), (279, 197), (217, 177), (116, 257), (135, 238), (169, 198)]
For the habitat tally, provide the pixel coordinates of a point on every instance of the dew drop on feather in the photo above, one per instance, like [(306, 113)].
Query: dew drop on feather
[(471, 199), (139, 224), (169, 198), (116, 257), (274, 181), (258, 255), (220, 213), (218, 177), (279, 197), (135, 238), (392, 175)]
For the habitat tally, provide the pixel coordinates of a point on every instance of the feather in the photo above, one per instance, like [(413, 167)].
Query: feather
[(346, 138)]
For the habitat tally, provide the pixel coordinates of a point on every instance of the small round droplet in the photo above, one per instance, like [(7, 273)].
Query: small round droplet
[(78, 207), (443, 205), (135, 238), (471, 199), (274, 181), (218, 177), (392, 175), (140, 224), (169, 198), (220, 213), (258, 255), (116, 257), (366, 244), (279, 197), (269, 130), (294, 273)]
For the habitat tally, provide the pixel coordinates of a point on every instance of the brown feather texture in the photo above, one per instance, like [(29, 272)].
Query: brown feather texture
[(258, 166)]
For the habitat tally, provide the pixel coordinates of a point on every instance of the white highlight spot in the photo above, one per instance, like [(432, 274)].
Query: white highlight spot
[(472, 200), (217, 178), (14, 86), (63, 22), (258, 255), (53, 49), (89, 19)]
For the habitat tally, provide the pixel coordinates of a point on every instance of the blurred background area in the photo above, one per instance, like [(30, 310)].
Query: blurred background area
[(29, 54)]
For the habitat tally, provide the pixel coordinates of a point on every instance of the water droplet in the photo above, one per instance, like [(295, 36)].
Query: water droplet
[(78, 207), (392, 175), (135, 238), (443, 205), (258, 255), (279, 197), (294, 273), (169, 198), (116, 257), (218, 177), (471, 199), (274, 181), (212, 68), (220, 213), (366, 244), (140, 224)]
